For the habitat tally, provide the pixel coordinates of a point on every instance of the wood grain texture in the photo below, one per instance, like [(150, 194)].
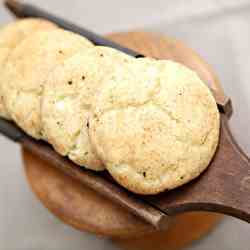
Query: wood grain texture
[(185, 229), (77, 205)]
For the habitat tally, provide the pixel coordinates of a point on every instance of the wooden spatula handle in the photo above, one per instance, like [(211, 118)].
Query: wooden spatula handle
[(232, 194)]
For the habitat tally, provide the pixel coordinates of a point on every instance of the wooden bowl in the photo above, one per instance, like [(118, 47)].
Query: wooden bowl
[(86, 210)]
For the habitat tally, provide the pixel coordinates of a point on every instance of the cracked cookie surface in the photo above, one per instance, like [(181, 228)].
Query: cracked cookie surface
[(155, 127), (67, 102), (10, 36), (26, 72)]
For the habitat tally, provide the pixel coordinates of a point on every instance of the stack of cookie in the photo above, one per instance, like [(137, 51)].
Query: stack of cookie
[(153, 124)]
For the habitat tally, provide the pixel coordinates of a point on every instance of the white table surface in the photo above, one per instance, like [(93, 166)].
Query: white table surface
[(218, 30)]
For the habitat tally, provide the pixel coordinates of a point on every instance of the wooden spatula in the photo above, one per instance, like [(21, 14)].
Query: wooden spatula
[(224, 187)]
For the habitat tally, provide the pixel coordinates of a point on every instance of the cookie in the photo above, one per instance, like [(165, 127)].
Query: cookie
[(26, 72), (3, 55), (155, 127), (11, 35), (67, 102)]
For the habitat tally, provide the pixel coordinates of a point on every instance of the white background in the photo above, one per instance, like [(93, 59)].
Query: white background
[(218, 30)]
